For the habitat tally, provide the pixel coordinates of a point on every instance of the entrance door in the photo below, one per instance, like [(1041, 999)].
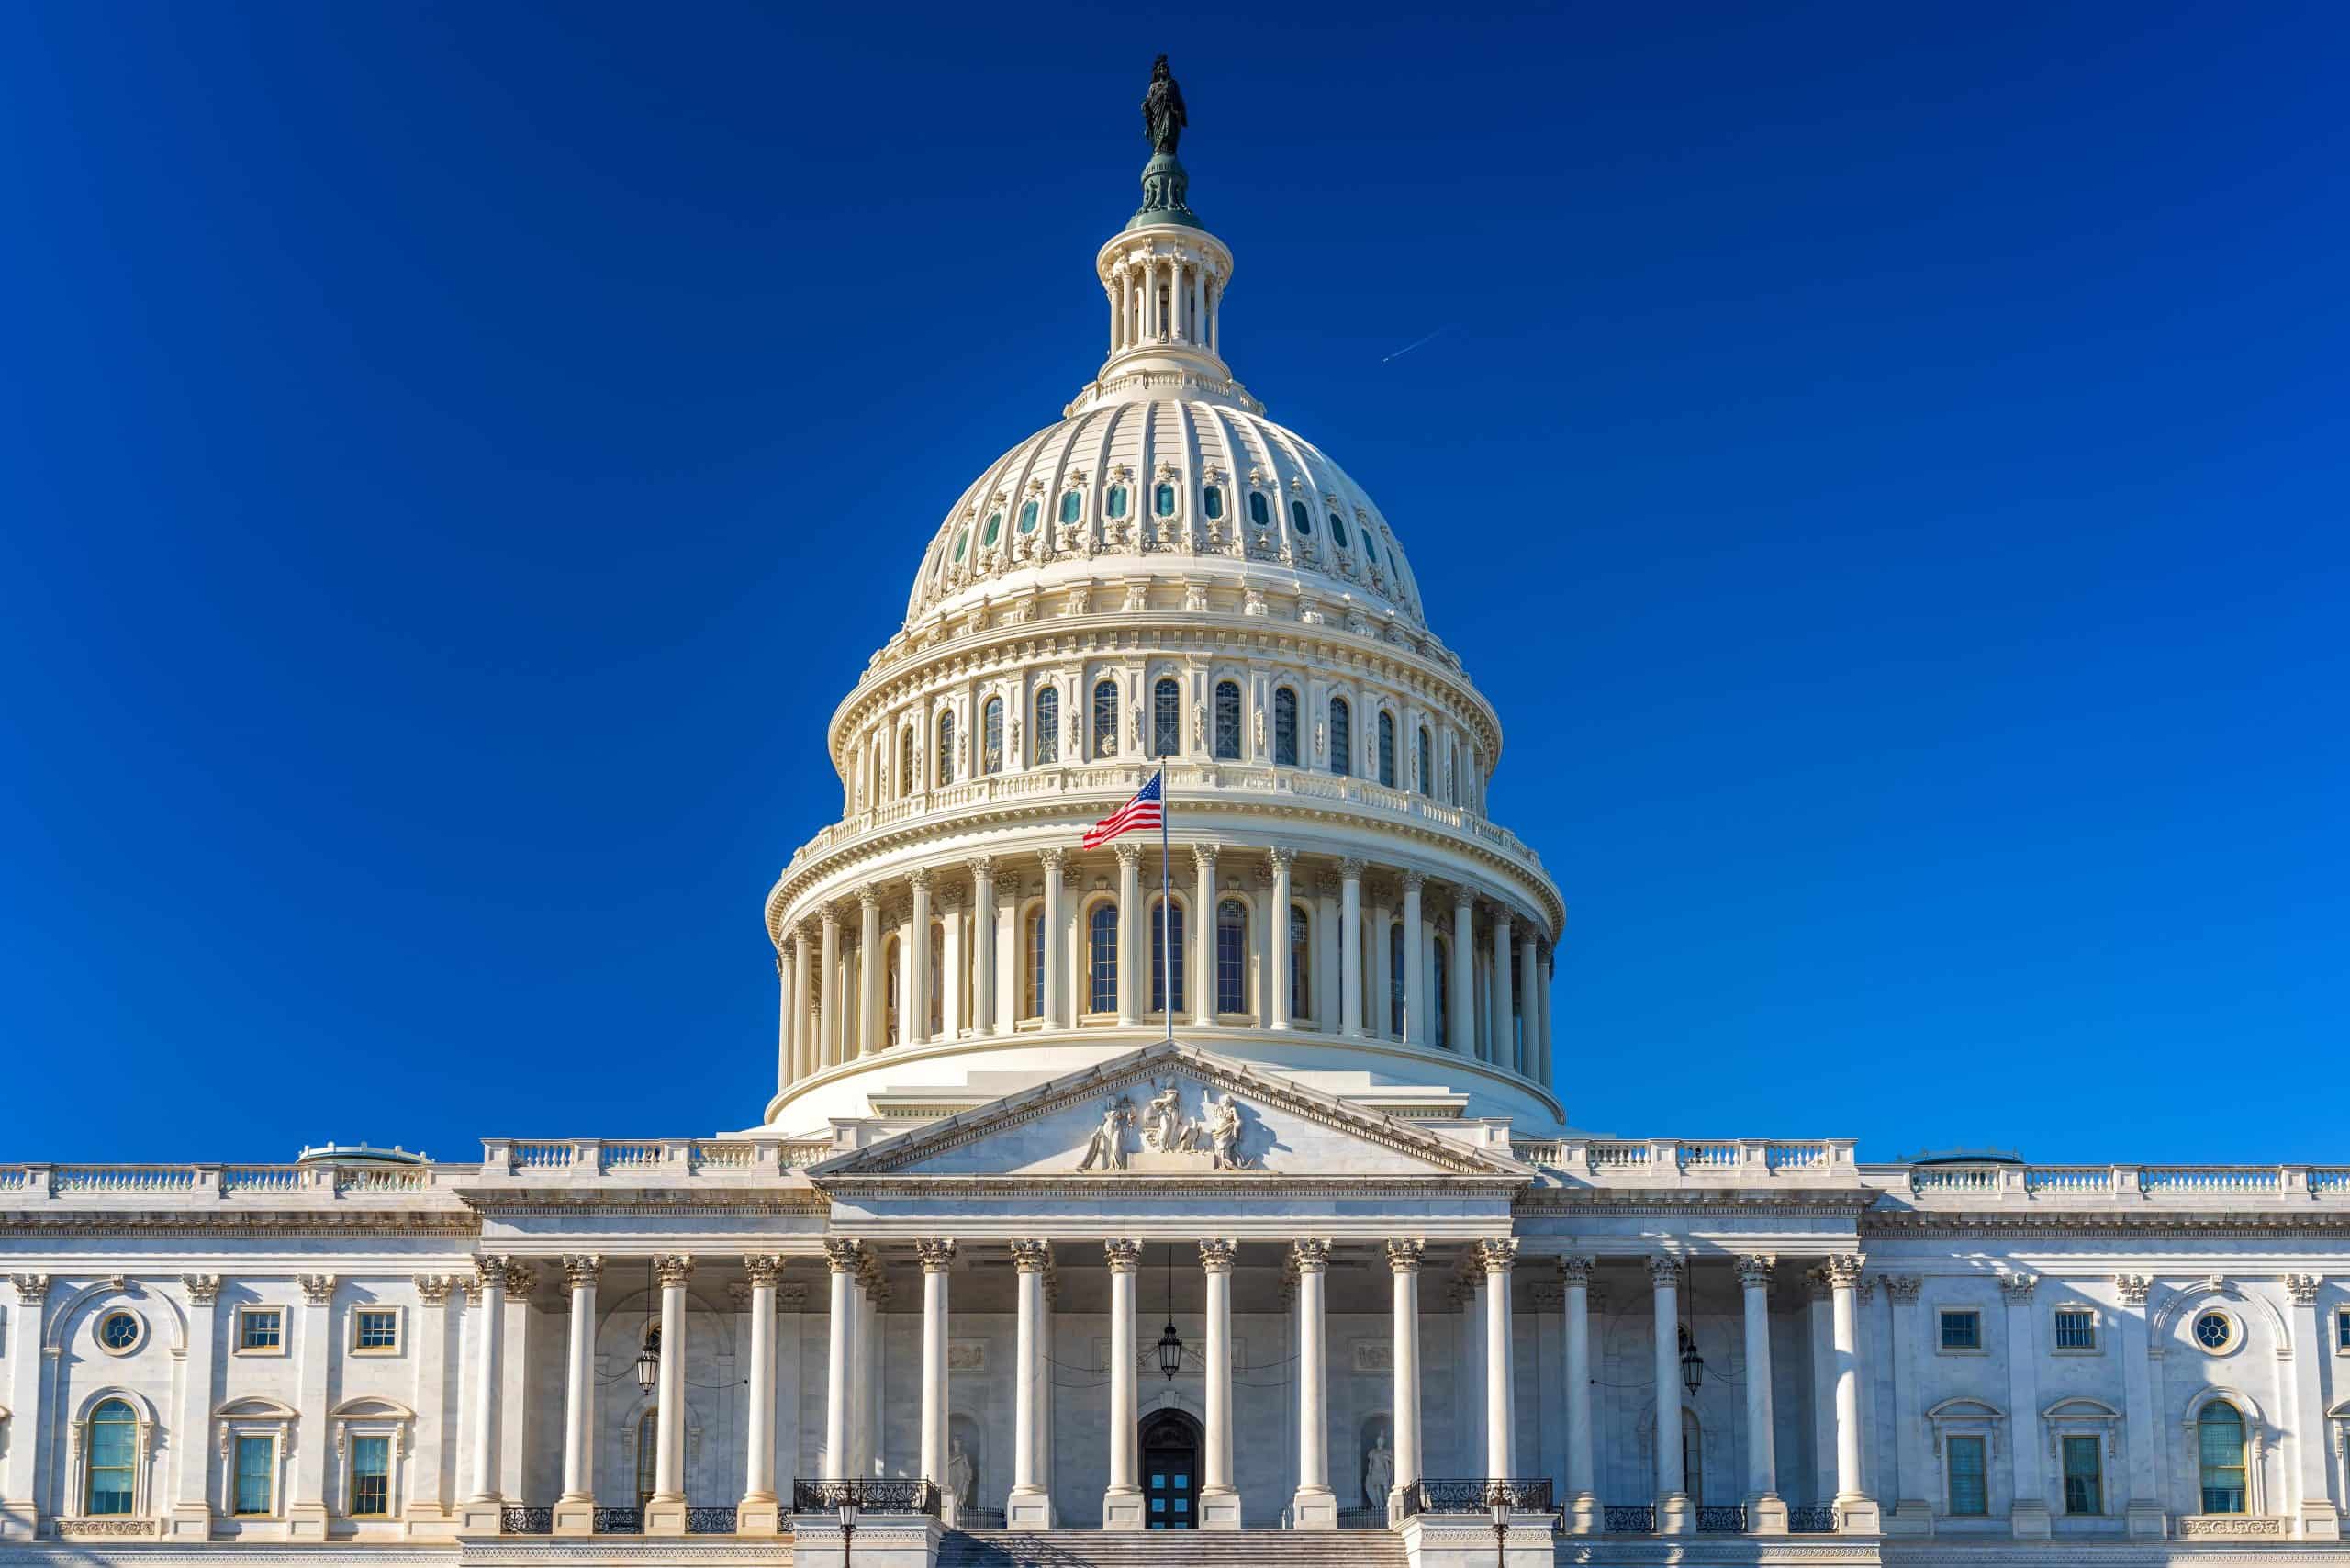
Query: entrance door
[(1170, 1470)]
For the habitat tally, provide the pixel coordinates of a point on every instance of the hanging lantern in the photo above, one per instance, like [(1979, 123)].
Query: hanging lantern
[(648, 1362), (1693, 1365), (1170, 1350)]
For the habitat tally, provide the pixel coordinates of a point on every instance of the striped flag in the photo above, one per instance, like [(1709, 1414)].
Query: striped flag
[(1144, 811)]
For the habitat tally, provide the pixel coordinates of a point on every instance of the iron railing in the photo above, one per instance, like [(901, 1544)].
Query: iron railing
[(1729, 1520), (525, 1520), (1628, 1518), (1363, 1518), (711, 1520), (1477, 1495), (618, 1521), (870, 1497), (1818, 1519), (980, 1519)]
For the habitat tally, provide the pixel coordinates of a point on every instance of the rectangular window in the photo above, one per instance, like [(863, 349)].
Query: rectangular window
[(1968, 1496), (371, 1477), (2342, 1329), (256, 1466), (1962, 1329), (261, 1329), (2084, 1476), (376, 1329), (2075, 1329), (1231, 958)]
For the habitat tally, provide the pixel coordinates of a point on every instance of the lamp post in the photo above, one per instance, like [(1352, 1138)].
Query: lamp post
[(1498, 1500), (849, 1525)]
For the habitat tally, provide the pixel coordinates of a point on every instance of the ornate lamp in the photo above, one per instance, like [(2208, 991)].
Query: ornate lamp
[(1170, 1344), (1693, 1365), (648, 1360)]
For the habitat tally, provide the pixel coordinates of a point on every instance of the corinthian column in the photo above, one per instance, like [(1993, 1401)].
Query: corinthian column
[(1056, 998), (1674, 1514), (1219, 1503), (1461, 988), (1498, 1255), (664, 1511), (1031, 1505), (1404, 1262), (829, 1049), (1277, 1010), (575, 1511), (1350, 946), (937, 1257), (983, 947), (1505, 1052), (1416, 993), (913, 1025), (481, 1511), (869, 972), (843, 1259), (1580, 1516), (1122, 1505), (1131, 927), (761, 1511), (1204, 963), (1314, 1507), (1856, 1511), (1766, 1514)]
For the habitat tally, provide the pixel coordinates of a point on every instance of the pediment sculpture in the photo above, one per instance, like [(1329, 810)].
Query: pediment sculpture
[(1170, 1137)]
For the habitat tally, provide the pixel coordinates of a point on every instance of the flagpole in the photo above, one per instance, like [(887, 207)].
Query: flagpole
[(1165, 912)]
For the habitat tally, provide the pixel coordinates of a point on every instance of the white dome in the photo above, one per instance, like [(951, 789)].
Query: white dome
[(1171, 486)]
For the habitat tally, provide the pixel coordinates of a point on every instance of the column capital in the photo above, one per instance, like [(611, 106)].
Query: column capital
[(1053, 856), (1497, 1254), (919, 878), (1815, 1284), (489, 1269), (764, 1269), (1755, 1269), (1464, 900), (2303, 1288), (1404, 1254), (1577, 1271), (583, 1271), (1204, 856), (1665, 1271), (982, 869), (1843, 1270), (2017, 1288), (1123, 1254), (869, 899), (522, 1281), (1128, 852), (936, 1252), (1903, 1287), (1350, 869), (31, 1289), (1007, 884), (1216, 1254), (2133, 1288), (203, 1290), (673, 1269), (1412, 880), (828, 917), (842, 1255), (1032, 1257), (317, 1290), (1310, 1254), (1281, 854), (434, 1288)]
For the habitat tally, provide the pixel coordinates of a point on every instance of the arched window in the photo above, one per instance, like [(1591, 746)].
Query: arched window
[(648, 1446), (1212, 501), (1228, 721), (1395, 980), (962, 545), (1028, 518), (1440, 1005), (1338, 530), (988, 534), (991, 735), (1032, 1005), (1105, 718), (2218, 1442), (1260, 512), (892, 1004), (907, 782), (1101, 943), (1284, 727), (1301, 963), (1387, 748), (1165, 943), (1342, 736), (1300, 518), (1370, 547), (1071, 503), (1115, 503), (113, 1459), (1049, 723), (1162, 501), (943, 766), (1231, 956), (1166, 719), (1427, 780)]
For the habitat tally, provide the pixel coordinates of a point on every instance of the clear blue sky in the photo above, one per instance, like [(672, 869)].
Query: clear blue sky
[(1886, 464)]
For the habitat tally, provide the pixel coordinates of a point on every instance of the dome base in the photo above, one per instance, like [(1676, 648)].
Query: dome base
[(1164, 187)]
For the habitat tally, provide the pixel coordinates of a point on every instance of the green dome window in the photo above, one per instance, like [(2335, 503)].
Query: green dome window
[(1212, 501), (1115, 505), (962, 544), (1070, 502), (1299, 518), (1028, 518), (1260, 512), (1338, 530), (1369, 550), (994, 527), (1162, 501)]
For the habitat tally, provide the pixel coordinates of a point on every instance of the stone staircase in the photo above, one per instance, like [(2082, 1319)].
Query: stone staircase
[(1171, 1549)]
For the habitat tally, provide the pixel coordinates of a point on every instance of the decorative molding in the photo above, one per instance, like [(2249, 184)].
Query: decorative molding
[(1844, 1269), (1754, 1268), (1216, 1254), (203, 1290), (583, 1271), (1404, 1254), (1310, 1254), (936, 1252), (2133, 1288), (1123, 1255)]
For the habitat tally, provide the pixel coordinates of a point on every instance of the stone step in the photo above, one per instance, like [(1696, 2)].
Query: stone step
[(1169, 1549)]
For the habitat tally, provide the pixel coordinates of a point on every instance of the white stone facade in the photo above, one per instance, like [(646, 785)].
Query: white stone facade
[(1336, 1159)]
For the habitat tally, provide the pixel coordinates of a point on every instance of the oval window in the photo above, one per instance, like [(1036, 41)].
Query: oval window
[(962, 542), (1212, 501), (994, 527), (1028, 518), (1298, 517), (1115, 505), (1260, 512), (1070, 502), (1162, 501), (1338, 530), (1369, 550)]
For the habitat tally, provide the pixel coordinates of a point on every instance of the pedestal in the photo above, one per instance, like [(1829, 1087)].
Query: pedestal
[(1676, 1515), (308, 1521), (1766, 1514), (2027, 1520), (2148, 1522), (1469, 1540), (1122, 1508), (1314, 1508), (1030, 1510), (1220, 1510), (883, 1540), (762, 1515), (664, 1515), (1583, 1516), (574, 1516), (2320, 1520), (1911, 1518), (480, 1516)]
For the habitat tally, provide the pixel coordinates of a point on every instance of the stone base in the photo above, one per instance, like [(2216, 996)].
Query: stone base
[(573, 1516), (306, 1521), (1911, 1516), (189, 1521), (1122, 1508), (2028, 1519), (1676, 1515), (1314, 1508), (758, 1516), (1030, 1510), (665, 1516), (1766, 1514), (481, 1515), (2321, 1521), (1219, 1509), (18, 1521), (2148, 1522), (1467, 1540), (1583, 1516), (883, 1540)]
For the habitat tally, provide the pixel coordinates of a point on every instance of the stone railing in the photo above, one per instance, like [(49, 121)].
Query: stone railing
[(1944, 1185), (318, 1179), (1691, 1160), (589, 1157)]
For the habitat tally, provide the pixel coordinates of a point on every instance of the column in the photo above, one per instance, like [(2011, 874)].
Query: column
[(1530, 1005), (664, 1511), (982, 946), (1856, 1511), (191, 1516), (1112, 291), (938, 1254), (1550, 978), (1380, 1014), (1350, 946), (761, 1510), (1581, 1515), (840, 1258), (1674, 1514), (954, 962), (1031, 1506), (1461, 988), (2148, 1518), (785, 991), (1124, 336), (1122, 1504), (1416, 1017), (1203, 977), (1326, 955), (828, 1003), (2321, 1520), (807, 1048), (1505, 1052), (1131, 929), (1057, 1013), (1315, 1506), (306, 1507), (1276, 919), (480, 1513), (1498, 1255), (865, 1383), (1219, 1503), (869, 972), (1766, 1512), (913, 1025), (575, 1511), (1403, 1258)]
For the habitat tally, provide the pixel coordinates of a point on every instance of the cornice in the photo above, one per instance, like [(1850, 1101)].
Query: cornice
[(114, 1223), (2238, 1224), (1256, 1186), (1841, 1206)]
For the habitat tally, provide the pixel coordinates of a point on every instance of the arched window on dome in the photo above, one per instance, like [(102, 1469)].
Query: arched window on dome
[(942, 765), (1105, 718), (1228, 721), (1073, 503), (1338, 532), (1441, 994), (1232, 957), (1165, 943), (1395, 980), (1115, 502), (111, 1443), (2219, 1453), (1301, 964), (1162, 501), (1370, 546), (1260, 509), (1049, 723), (1387, 748), (1166, 718), (1212, 501), (962, 545), (1284, 727), (1342, 737), (1427, 779), (991, 737), (1028, 518), (1101, 955), (1300, 518), (1031, 953), (907, 782), (993, 530)]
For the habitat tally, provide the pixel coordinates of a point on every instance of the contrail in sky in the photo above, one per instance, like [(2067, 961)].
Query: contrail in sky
[(1407, 348)]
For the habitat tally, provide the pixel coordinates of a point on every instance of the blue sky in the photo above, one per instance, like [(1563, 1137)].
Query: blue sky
[(1886, 464)]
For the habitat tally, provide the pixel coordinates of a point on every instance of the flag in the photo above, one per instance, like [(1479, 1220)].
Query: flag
[(1143, 811)]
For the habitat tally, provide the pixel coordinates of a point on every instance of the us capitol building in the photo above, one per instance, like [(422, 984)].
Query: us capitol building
[(1080, 1213)]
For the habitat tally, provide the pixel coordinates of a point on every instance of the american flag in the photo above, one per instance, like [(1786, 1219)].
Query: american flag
[(1143, 811)]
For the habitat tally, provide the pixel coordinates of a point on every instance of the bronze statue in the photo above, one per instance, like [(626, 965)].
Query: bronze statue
[(1162, 110)]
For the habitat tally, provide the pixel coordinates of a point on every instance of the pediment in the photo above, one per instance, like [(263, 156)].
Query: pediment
[(1169, 1111)]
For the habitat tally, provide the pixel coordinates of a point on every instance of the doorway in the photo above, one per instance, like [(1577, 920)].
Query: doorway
[(1170, 1470)]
